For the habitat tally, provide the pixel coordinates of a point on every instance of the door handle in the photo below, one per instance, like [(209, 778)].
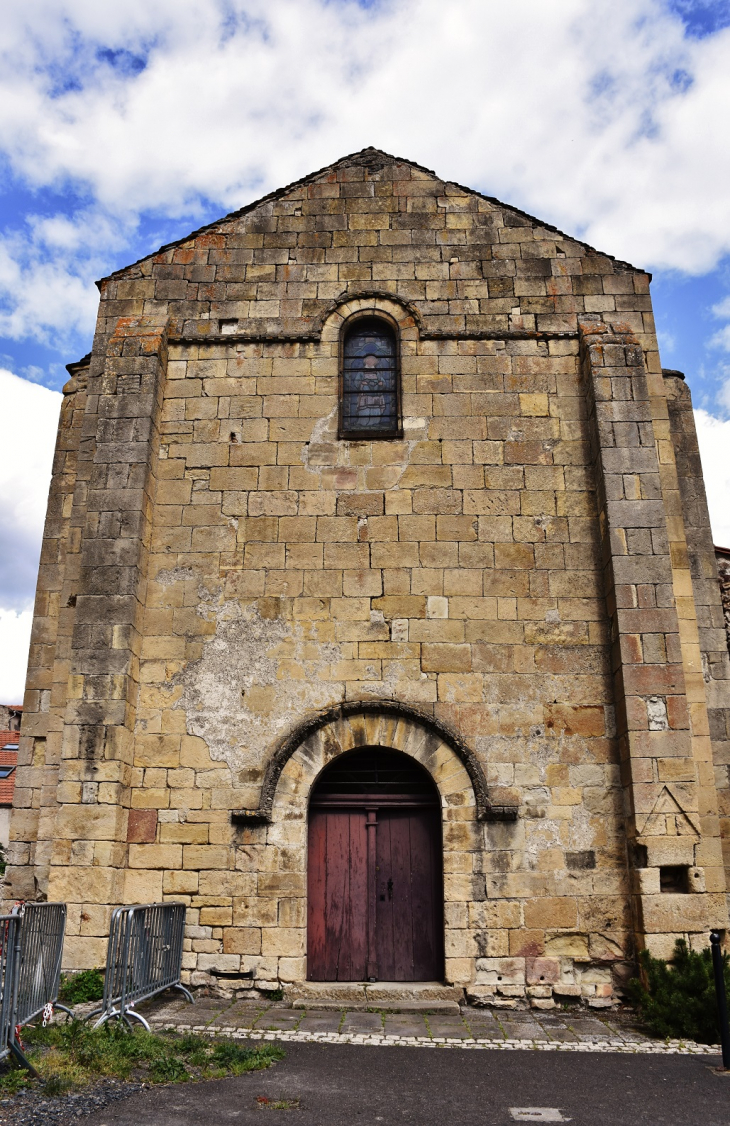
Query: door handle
[(390, 889)]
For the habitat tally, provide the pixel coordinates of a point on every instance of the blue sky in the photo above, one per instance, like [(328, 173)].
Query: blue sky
[(125, 126)]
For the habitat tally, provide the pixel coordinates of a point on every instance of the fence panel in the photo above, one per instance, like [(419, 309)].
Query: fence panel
[(144, 957), (8, 954), (42, 930)]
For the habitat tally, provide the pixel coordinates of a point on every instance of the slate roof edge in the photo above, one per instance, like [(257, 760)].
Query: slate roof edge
[(278, 192)]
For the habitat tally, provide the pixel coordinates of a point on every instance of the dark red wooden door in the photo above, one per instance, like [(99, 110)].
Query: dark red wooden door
[(408, 925), (378, 914), (337, 910)]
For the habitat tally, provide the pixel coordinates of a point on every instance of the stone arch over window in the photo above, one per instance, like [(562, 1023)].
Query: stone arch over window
[(369, 377)]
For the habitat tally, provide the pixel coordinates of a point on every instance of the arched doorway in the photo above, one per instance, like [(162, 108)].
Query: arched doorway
[(375, 873)]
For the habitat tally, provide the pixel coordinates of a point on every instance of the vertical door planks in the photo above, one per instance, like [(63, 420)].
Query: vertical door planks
[(375, 877)]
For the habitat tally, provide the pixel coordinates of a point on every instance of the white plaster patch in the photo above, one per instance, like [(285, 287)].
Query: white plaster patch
[(234, 698), (580, 833), (176, 575), (656, 710)]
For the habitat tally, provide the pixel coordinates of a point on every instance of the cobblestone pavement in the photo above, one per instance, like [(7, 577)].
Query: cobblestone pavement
[(578, 1031)]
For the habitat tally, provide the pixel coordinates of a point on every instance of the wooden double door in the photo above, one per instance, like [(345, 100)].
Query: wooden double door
[(375, 888)]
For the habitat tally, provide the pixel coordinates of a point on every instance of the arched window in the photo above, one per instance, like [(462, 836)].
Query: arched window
[(369, 393)]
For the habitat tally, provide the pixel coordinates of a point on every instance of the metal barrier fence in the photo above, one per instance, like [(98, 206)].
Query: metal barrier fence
[(31, 948), (42, 929), (144, 957), (9, 925)]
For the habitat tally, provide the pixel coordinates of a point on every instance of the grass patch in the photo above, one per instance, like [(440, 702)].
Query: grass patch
[(79, 988), (71, 1056)]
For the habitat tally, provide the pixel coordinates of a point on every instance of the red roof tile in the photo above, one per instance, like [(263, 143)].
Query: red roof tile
[(8, 758)]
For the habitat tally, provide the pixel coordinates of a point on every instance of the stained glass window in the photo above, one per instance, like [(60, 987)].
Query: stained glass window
[(369, 381)]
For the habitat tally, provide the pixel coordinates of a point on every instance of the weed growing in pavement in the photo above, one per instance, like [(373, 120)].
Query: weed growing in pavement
[(71, 1056), (272, 994)]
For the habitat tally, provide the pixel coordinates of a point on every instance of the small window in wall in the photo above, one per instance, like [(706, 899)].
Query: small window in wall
[(369, 392)]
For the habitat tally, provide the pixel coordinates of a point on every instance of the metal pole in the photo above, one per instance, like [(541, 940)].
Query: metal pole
[(717, 966)]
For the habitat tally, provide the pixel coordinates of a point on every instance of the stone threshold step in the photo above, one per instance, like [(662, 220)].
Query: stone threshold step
[(392, 996)]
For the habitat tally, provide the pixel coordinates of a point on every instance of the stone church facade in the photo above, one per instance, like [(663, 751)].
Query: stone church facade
[(377, 533)]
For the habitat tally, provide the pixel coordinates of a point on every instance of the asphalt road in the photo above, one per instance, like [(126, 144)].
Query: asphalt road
[(360, 1086)]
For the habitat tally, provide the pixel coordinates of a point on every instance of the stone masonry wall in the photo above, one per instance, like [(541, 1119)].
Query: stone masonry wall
[(707, 591), (236, 569)]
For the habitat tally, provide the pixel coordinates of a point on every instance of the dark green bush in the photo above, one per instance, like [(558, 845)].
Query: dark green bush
[(78, 988), (678, 1001)]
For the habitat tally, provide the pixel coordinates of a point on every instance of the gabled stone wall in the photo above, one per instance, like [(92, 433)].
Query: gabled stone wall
[(219, 568)]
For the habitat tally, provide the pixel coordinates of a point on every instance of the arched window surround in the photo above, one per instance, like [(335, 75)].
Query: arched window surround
[(366, 433)]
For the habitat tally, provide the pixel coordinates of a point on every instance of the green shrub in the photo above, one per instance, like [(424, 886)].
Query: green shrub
[(78, 988), (678, 1001)]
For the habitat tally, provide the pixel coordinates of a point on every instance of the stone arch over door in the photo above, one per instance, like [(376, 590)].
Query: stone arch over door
[(463, 806)]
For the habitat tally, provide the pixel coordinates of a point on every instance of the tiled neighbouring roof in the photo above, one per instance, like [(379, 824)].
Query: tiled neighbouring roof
[(8, 758)]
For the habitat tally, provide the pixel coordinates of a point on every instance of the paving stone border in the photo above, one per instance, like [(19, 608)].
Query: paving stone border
[(475, 1029), (651, 1047)]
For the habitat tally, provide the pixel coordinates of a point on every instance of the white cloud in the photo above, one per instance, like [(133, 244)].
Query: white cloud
[(14, 646), (47, 273), (720, 339), (30, 420), (723, 395), (602, 118), (714, 438)]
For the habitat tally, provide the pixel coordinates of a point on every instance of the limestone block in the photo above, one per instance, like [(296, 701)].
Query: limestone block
[(83, 953), (670, 851), (198, 857), (229, 963), (550, 912), (142, 886), (90, 822), (647, 881), (670, 913), (292, 969), (94, 920), (500, 971), (574, 946), (541, 971), (458, 971), (216, 916), (83, 885), (180, 883), (155, 856)]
